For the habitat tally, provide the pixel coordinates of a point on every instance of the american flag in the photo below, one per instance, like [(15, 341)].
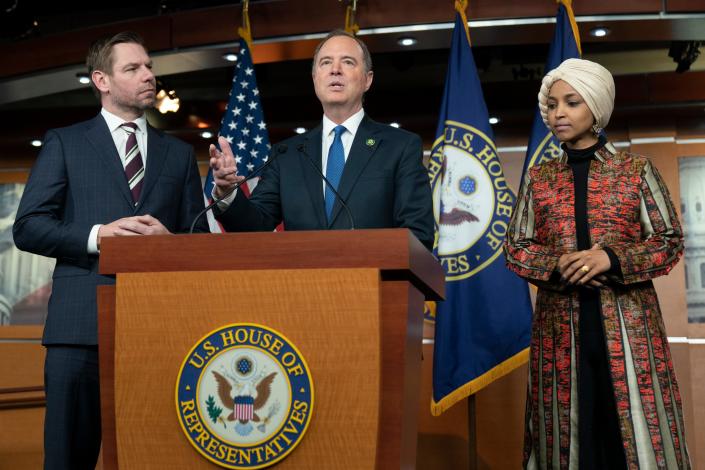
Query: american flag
[(243, 126)]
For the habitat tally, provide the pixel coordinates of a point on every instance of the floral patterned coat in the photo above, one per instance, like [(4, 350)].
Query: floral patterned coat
[(630, 211)]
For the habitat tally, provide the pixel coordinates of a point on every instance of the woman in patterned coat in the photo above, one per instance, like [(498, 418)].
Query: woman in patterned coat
[(591, 230)]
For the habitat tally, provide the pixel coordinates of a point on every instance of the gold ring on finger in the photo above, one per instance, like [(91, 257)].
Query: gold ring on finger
[(585, 268)]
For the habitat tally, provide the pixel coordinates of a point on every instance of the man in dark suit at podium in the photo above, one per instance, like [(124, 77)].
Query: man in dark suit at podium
[(113, 175), (376, 169)]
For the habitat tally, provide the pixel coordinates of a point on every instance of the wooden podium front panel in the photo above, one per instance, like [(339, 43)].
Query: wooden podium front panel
[(331, 316)]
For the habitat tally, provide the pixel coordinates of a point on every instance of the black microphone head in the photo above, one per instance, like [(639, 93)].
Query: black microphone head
[(282, 148)]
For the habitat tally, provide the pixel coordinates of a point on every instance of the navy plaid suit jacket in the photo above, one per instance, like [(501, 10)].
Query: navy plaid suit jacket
[(78, 181)]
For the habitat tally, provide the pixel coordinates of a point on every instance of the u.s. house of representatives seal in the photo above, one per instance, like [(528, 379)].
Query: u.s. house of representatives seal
[(244, 396), (472, 201)]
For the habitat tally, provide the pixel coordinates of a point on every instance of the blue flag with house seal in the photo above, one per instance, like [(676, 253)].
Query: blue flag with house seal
[(482, 329)]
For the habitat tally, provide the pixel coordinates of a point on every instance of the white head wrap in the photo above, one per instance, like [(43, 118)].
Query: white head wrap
[(593, 82)]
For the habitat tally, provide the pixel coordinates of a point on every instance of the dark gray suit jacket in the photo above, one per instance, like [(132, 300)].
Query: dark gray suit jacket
[(78, 181), (384, 183)]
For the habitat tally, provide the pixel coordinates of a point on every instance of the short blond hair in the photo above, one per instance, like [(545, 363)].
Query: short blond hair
[(100, 54)]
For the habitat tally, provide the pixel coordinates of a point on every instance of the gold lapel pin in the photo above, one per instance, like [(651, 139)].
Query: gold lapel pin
[(370, 142)]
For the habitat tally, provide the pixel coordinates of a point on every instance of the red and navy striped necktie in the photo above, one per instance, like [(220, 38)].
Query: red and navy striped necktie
[(134, 167)]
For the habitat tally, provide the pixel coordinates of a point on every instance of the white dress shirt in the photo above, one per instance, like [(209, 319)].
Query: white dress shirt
[(351, 125), (327, 135), (120, 138)]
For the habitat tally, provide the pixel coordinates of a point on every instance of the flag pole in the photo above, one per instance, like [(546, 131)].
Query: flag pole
[(245, 31), (243, 124), (350, 25), (568, 4), (461, 6), (472, 434)]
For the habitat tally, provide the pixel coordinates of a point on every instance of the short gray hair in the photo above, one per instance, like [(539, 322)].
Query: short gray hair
[(366, 57)]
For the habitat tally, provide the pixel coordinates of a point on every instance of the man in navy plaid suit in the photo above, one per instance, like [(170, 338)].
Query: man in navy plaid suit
[(113, 175)]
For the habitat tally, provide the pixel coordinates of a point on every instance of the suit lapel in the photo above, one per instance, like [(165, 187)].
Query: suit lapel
[(363, 147), (314, 183), (98, 135), (156, 157)]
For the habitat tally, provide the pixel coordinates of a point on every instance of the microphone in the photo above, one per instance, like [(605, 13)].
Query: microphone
[(281, 148), (302, 149)]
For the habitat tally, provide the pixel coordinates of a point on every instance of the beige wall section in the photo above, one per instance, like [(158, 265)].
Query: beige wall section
[(512, 164), (499, 425), (696, 441), (500, 422), (695, 393), (21, 428), (443, 440), (695, 330), (682, 360)]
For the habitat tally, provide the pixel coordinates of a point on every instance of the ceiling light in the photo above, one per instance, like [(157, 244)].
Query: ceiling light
[(36, 143), (166, 99), (230, 56), (83, 78), (494, 120), (206, 134), (394, 124), (599, 32), (300, 130), (167, 102), (406, 42)]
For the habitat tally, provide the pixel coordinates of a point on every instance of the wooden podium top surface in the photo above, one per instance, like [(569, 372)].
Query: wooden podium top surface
[(396, 252)]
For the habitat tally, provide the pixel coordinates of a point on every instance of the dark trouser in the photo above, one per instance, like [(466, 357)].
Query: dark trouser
[(600, 439), (72, 420)]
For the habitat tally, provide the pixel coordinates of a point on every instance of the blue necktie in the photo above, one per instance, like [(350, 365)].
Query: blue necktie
[(334, 168)]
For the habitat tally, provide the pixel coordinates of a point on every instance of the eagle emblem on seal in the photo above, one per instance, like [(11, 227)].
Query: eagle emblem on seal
[(244, 399)]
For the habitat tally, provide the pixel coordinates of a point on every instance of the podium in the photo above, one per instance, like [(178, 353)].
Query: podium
[(350, 301)]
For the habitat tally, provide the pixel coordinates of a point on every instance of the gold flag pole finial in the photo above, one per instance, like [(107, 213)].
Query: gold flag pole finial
[(350, 25), (244, 31), (460, 7)]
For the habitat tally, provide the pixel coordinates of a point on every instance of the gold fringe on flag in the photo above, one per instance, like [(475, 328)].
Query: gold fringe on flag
[(478, 383)]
